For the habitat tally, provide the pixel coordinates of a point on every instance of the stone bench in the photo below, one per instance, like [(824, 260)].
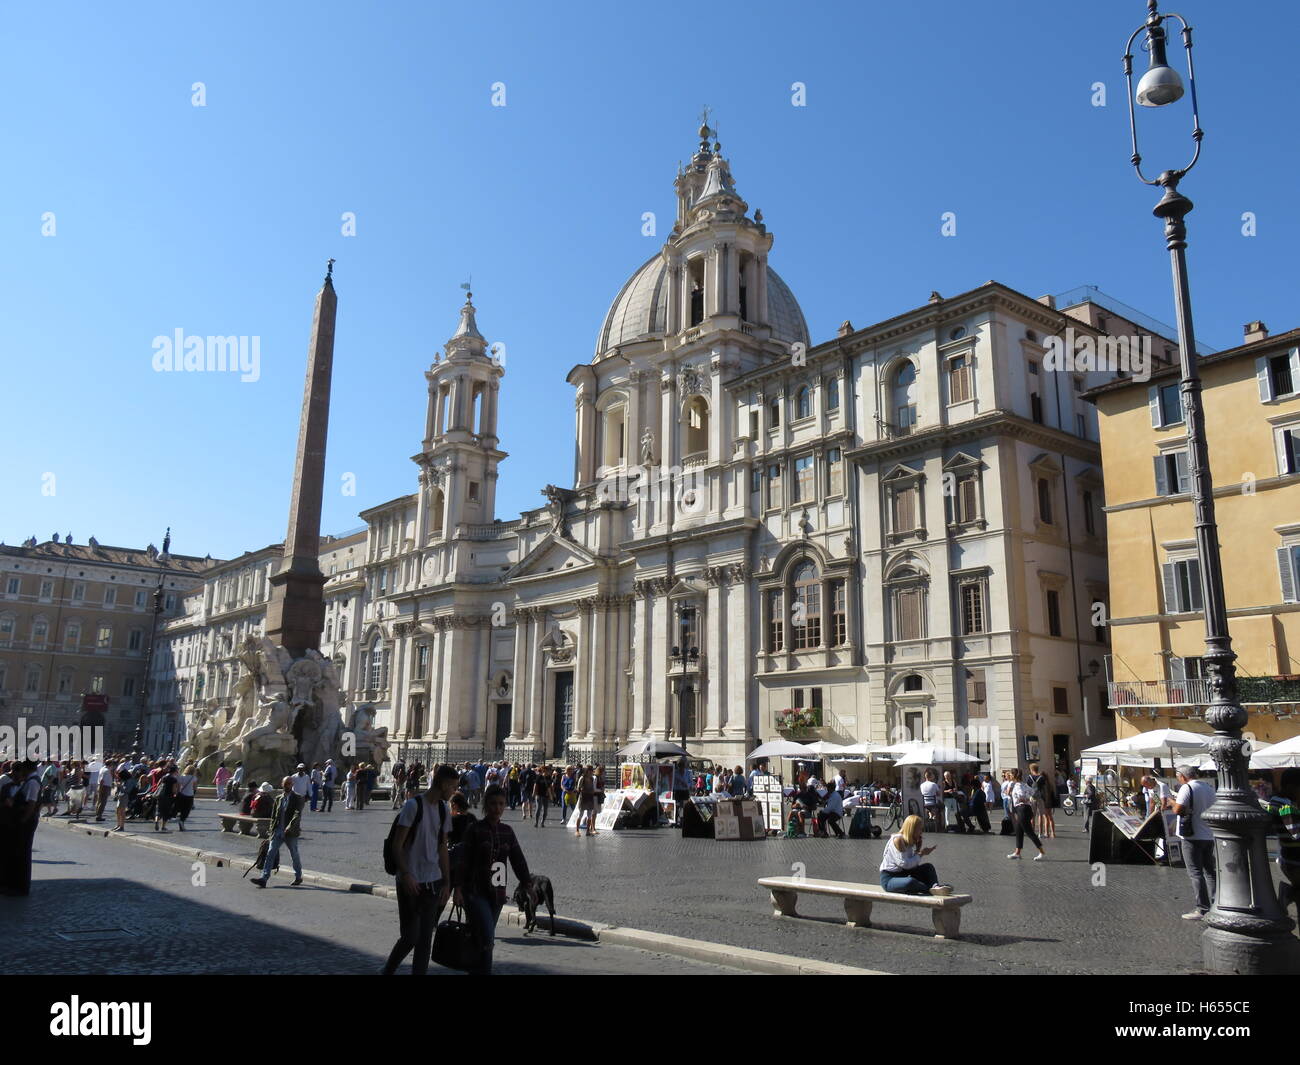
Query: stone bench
[(245, 825), (945, 910)]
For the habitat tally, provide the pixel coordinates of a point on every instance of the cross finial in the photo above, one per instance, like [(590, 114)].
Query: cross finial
[(468, 286), (704, 124), (329, 269)]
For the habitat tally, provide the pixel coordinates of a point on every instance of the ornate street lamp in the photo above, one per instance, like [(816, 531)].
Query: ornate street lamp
[(687, 656), (1246, 930)]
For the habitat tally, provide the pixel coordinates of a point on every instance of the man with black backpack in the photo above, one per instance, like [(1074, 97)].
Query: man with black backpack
[(416, 854)]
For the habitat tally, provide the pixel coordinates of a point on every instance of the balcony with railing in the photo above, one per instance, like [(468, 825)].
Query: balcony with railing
[(495, 530), (802, 722), (891, 431), (1195, 692)]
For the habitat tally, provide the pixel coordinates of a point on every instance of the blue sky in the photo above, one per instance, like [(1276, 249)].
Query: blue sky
[(219, 219)]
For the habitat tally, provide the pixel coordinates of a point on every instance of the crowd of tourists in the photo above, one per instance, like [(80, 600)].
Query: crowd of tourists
[(136, 788), (538, 792)]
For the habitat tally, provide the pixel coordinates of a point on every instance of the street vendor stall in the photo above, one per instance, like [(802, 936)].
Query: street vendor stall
[(913, 758)]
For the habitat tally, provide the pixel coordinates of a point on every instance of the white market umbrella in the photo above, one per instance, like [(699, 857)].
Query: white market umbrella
[(1260, 758), (929, 754), (1155, 743), (824, 748), (653, 747), (1284, 755), (778, 749), (1159, 743), (855, 750)]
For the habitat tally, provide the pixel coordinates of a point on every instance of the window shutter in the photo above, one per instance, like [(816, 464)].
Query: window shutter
[(1170, 580), (1280, 446), (1293, 357), (1265, 382), (1286, 574), (1180, 464), (1162, 481), (1153, 400), (1177, 669), (967, 490), (1194, 584)]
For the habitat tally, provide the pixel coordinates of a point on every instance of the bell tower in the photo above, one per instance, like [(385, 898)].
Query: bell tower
[(459, 454), (717, 256)]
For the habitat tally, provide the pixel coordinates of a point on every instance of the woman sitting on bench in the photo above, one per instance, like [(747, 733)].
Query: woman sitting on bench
[(901, 870)]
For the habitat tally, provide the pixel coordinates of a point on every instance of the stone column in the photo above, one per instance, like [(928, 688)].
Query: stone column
[(520, 725), (537, 695), (732, 278), (760, 307), (735, 717), (669, 449), (712, 283), (601, 648), (642, 641), (437, 714), (584, 690), (715, 648), (586, 466), (673, 322), (432, 412)]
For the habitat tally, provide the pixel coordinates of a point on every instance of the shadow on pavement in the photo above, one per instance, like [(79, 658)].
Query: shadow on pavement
[(132, 928)]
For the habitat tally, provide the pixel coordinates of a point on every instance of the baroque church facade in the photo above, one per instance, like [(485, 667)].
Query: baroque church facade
[(898, 530)]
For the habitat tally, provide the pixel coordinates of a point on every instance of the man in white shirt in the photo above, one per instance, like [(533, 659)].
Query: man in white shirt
[(831, 813), (840, 783), (302, 782), (103, 788), (423, 870), (1195, 796)]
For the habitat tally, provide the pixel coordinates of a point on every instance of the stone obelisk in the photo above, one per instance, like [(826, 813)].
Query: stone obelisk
[(295, 615)]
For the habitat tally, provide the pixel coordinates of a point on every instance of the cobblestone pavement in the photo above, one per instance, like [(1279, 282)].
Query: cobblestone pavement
[(1028, 917), (98, 906)]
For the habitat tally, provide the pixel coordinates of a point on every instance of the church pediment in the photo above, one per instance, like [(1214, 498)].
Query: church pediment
[(551, 555)]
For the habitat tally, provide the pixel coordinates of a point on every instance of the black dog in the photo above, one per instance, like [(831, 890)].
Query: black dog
[(530, 894)]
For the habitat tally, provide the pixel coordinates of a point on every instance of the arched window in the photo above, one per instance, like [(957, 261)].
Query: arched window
[(476, 400), (806, 611), (697, 427), (6, 630), (343, 628), (904, 398), (833, 394), (913, 683), (615, 436), (437, 504), (40, 632), (803, 402), (909, 603), (444, 400), (376, 664)]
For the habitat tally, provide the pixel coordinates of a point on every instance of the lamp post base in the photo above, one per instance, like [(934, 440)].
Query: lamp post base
[(1277, 954)]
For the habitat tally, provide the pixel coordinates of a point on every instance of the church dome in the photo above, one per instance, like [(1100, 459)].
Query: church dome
[(640, 310)]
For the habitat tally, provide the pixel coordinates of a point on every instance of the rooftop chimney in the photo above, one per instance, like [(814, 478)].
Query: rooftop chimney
[(935, 297), (1048, 301), (1256, 331), (846, 327)]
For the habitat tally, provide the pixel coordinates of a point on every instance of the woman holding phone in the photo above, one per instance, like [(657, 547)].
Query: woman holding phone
[(901, 869)]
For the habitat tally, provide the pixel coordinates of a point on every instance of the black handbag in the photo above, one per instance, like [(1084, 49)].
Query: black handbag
[(454, 943)]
